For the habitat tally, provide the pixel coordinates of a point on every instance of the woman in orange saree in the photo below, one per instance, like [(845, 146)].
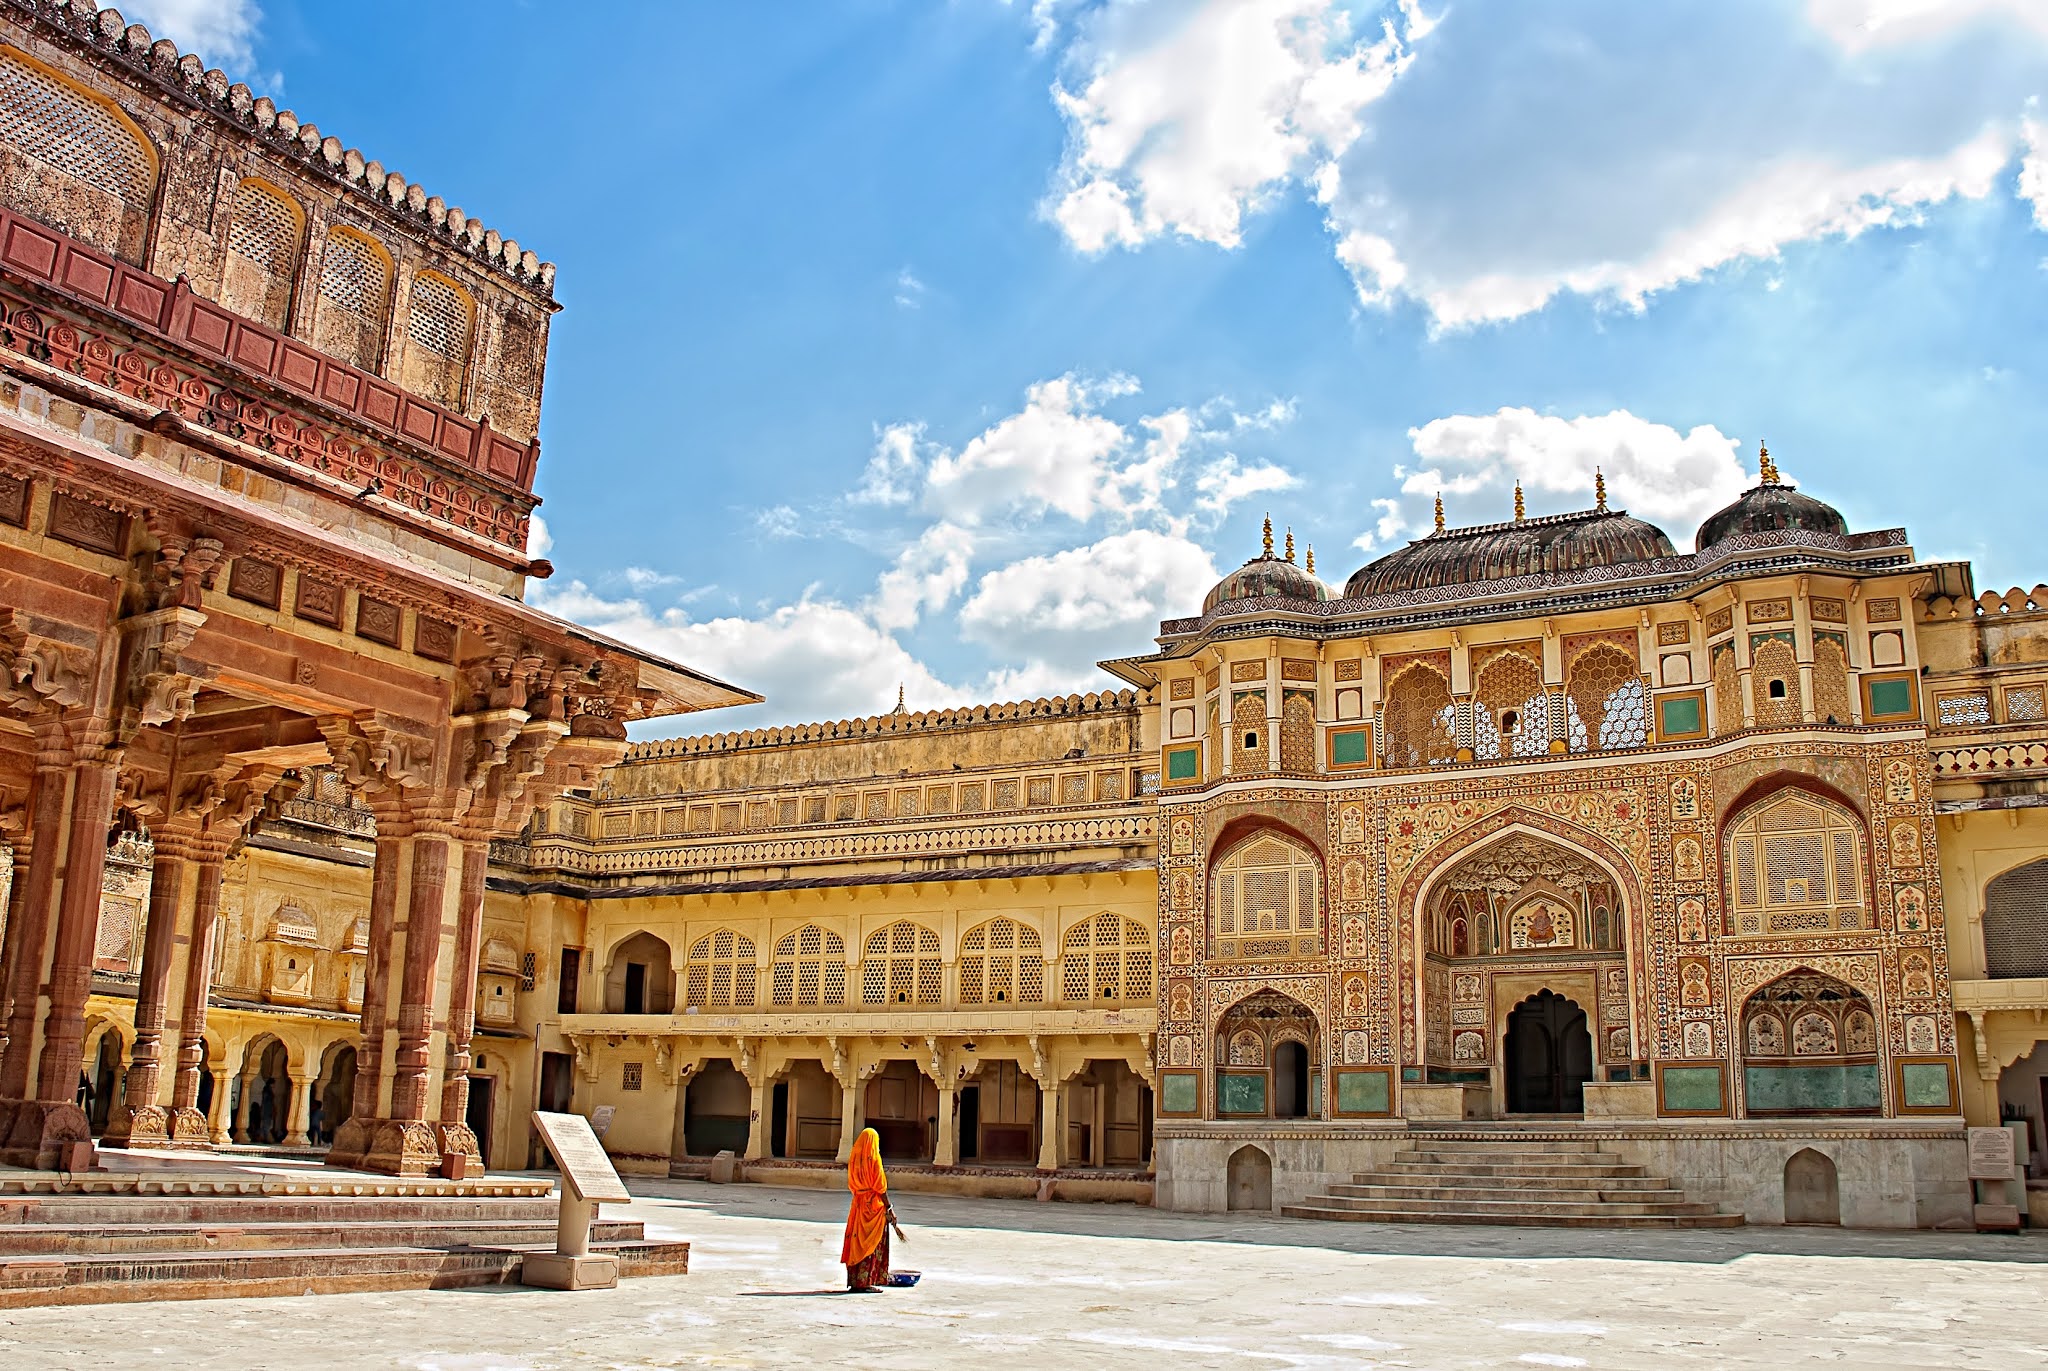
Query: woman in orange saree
[(865, 1249)]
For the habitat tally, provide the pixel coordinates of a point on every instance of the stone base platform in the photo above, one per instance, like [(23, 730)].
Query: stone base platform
[(1079, 1185), (161, 1227)]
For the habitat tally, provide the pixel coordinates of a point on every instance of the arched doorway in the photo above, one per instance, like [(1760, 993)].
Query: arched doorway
[(717, 1108), (335, 1093), (1290, 1081), (1549, 1056), (1248, 1179), (1267, 1049)]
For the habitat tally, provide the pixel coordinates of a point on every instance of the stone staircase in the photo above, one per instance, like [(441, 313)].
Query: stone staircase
[(94, 1240), (1567, 1184)]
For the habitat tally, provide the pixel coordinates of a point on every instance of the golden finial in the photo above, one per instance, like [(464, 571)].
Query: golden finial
[(1518, 502), (1290, 544), (1599, 491), (899, 699), (1439, 511), (1311, 559), (1269, 535), (1767, 470)]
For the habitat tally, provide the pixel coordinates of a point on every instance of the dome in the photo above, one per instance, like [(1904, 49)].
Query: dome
[(1768, 507), (1493, 552), (1266, 575)]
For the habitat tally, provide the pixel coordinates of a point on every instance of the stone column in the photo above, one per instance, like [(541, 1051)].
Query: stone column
[(460, 1153), (849, 1117), (1048, 1125), (28, 922), (217, 1120), (427, 896), (758, 1126), (295, 1117), (142, 1121), (947, 1152), (78, 918), (187, 1127), (353, 1140), (245, 1106)]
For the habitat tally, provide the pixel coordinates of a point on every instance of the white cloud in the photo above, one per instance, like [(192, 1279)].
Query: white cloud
[(1227, 481), (1672, 479), (909, 290), (221, 32), (539, 542), (1053, 454), (927, 575), (2033, 178), (643, 579), (1062, 612), (895, 468), (1483, 161)]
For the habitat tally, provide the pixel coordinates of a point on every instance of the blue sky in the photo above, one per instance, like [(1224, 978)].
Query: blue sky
[(957, 342)]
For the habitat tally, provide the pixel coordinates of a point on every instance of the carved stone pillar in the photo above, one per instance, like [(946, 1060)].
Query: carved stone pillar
[(245, 1106), (28, 921), (1048, 1124), (849, 1117), (947, 1150), (295, 1117), (352, 1140), (759, 1121), (459, 1151), (217, 1119), (141, 1121), (187, 1126)]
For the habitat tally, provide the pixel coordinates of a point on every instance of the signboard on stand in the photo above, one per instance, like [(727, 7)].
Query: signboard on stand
[(588, 1177)]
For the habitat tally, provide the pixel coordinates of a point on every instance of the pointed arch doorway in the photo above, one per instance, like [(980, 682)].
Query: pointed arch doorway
[(1549, 1056)]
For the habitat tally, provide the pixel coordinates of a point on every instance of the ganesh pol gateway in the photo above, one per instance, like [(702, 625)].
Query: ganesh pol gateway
[(1542, 889)]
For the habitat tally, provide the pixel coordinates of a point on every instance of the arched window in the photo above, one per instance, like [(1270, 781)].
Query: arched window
[(1267, 900), (1417, 726), (720, 971), (1002, 962), (809, 968), (1298, 731), (2016, 923), (355, 299), (1774, 683), (263, 254), (1510, 712), (1795, 865), (1727, 691), (1606, 702), (1830, 678), (72, 160), (1106, 960), (1809, 1046), (639, 979), (900, 965), (438, 325), (1248, 733)]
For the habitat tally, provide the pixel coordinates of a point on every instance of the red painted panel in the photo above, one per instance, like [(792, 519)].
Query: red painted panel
[(505, 457), (31, 251), (340, 387), (209, 328), (255, 349), (419, 421), (458, 439), (140, 297), (88, 276), (299, 369), (380, 405)]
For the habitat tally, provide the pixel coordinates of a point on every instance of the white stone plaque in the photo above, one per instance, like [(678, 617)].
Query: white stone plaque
[(585, 1167), (601, 1119), (1991, 1154)]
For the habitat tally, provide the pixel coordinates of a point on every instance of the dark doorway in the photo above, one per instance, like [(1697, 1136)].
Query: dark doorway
[(478, 1116), (970, 1123), (557, 1081), (1549, 1056), (1290, 1081), (565, 989), (778, 1121), (636, 988)]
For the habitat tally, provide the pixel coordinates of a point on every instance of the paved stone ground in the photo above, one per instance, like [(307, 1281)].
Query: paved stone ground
[(1015, 1284)]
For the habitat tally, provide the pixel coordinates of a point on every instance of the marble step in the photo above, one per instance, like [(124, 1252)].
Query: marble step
[(240, 1209), (1510, 1202), (1512, 1219), (1452, 1189), (110, 1239), (1470, 1167), (130, 1277)]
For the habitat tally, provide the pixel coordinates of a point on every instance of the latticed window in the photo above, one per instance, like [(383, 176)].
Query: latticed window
[(1954, 711), (1795, 865), (51, 127), (2016, 923), (1267, 900), (809, 968), (1106, 960), (1002, 962), (263, 254), (900, 965), (1774, 684), (1297, 731), (1417, 726), (720, 971), (439, 327), (1606, 704), (1510, 712), (1248, 733), (355, 296), (1830, 679), (1727, 691)]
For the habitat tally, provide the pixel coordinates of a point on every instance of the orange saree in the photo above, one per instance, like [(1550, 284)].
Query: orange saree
[(865, 1248)]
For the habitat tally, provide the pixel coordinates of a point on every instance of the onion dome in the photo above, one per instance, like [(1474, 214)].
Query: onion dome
[(1770, 506), (1266, 575), (1550, 543)]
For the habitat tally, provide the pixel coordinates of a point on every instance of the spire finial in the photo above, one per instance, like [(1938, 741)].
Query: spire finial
[(899, 699), (1269, 535), (1439, 511), (1599, 491), (1290, 544), (1518, 502), (1767, 470), (1311, 559)]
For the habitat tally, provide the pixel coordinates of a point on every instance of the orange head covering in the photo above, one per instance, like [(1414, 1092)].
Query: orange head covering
[(868, 1218)]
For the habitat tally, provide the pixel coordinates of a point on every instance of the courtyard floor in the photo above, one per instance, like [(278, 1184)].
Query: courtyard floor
[(1017, 1284)]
